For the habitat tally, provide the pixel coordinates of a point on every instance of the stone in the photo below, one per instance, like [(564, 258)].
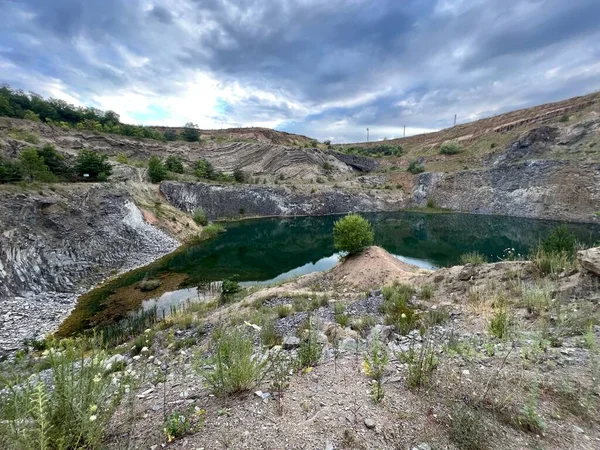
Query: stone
[(113, 360), (369, 423), (382, 332), (290, 342), (422, 446), (589, 260), (467, 272)]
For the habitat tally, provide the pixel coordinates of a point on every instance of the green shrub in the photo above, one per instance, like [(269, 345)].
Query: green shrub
[(71, 411), (352, 234), (473, 258), (240, 176), (339, 312), (416, 167), (174, 164), (552, 263), (500, 322), (421, 363), (200, 217), (170, 135), (449, 148), (395, 307), (156, 170), (234, 367), (33, 167), (190, 132), (426, 292), (93, 164), (564, 118), (268, 334), (10, 172), (205, 170), (122, 158), (229, 288), (309, 352), (180, 423), (54, 160), (560, 239), (327, 167), (530, 419), (374, 363), (283, 310)]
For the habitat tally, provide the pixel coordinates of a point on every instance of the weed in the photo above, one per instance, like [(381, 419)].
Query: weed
[(283, 311), (396, 309), (268, 334), (339, 310), (466, 429), (181, 423), (233, 365), (281, 369), (374, 364), (426, 292), (310, 349), (149, 285), (530, 419), (23, 135), (473, 258), (421, 364), (537, 299), (500, 323), (212, 230), (364, 324), (200, 217)]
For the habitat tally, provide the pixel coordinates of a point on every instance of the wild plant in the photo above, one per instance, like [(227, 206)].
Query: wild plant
[(374, 364), (281, 370), (339, 311), (233, 364), (421, 362), (180, 423), (310, 349), (530, 419)]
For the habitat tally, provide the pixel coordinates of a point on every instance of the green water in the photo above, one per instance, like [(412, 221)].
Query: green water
[(278, 248)]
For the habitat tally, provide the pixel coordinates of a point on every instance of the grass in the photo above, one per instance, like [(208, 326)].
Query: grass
[(374, 364), (473, 258), (310, 349), (552, 263), (233, 366), (537, 299), (23, 135), (395, 307), (200, 217), (339, 311), (426, 292), (500, 323)]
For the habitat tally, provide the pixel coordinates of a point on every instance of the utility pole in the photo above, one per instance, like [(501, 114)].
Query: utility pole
[(404, 131), (367, 135), (454, 119)]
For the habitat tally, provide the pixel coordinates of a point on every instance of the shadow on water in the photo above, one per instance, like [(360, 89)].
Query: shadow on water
[(275, 249)]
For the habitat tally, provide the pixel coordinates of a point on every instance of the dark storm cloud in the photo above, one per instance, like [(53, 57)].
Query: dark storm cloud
[(327, 69)]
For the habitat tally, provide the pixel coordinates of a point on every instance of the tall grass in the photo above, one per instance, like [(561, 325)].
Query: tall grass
[(71, 410)]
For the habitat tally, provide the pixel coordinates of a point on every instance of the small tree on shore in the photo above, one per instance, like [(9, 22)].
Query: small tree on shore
[(352, 234)]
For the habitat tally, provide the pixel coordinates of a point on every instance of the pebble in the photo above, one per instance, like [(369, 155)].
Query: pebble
[(369, 423)]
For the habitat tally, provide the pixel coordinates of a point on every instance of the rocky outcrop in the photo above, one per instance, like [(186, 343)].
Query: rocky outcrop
[(257, 159), (56, 242), (227, 201), (589, 260), (360, 163), (558, 190)]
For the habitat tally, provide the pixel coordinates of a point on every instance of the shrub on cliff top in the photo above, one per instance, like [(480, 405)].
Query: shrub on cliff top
[(352, 234)]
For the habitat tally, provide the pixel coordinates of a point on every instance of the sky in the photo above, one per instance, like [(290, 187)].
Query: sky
[(326, 69)]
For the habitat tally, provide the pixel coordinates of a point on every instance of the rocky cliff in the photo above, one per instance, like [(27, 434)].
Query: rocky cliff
[(230, 201), (558, 190), (54, 243)]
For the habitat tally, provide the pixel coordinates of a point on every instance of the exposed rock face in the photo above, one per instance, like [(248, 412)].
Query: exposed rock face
[(361, 163), (258, 159), (539, 189), (589, 260), (55, 244), (225, 201)]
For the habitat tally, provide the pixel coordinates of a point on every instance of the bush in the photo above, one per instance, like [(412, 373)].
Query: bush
[(33, 167), (170, 135), (122, 158), (149, 285), (9, 172), (449, 148), (200, 217), (230, 287), (95, 165), (500, 323), (396, 309), (416, 167), (239, 175), (156, 170), (71, 411), (310, 349), (564, 118), (23, 135), (54, 160), (205, 170), (559, 240), (174, 164), (190, 132), (233, 365), (352, 234), (473, 258)]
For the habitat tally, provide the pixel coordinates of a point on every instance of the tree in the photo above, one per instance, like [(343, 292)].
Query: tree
[(95, 165), (174, 164), (205, 170), (239, 175), (9, 172), (190, 132), (352, 234), (156, 170), (170, 134), (54, 160), (33, 167)]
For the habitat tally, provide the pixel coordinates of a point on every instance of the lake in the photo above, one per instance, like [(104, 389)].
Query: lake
[(275, 249)]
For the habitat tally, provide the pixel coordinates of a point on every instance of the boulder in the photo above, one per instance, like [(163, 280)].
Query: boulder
[(589, 260), (290, 342)]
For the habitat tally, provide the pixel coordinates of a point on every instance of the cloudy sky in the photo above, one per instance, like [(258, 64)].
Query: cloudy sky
[(327, 69)]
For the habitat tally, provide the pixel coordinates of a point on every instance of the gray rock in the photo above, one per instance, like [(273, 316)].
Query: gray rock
[(369, 423), (589, 260), (290, 342)]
